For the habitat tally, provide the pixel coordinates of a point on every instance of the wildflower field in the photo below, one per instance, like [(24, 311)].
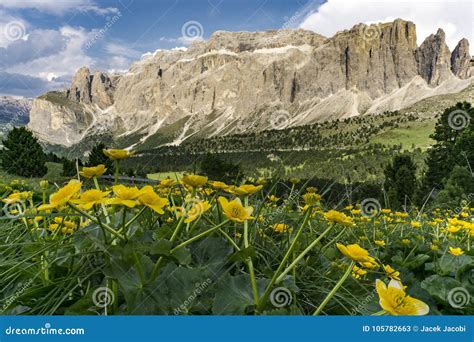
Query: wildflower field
[(196, 246)]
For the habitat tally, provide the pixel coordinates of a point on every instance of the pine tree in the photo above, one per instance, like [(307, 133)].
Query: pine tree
[(22, 154), (400, 180), (445, 154), (69, 168)]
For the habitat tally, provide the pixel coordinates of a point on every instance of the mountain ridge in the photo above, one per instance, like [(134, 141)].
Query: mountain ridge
[(243, 81)]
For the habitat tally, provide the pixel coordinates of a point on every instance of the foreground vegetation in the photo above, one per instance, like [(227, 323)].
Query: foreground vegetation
[(195, 246)]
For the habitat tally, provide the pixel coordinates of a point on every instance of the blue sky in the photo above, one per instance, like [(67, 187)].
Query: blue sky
[(43, 42)]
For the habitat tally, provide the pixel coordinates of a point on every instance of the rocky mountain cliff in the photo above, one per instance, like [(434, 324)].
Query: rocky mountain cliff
[(253, 81), (13, 112)]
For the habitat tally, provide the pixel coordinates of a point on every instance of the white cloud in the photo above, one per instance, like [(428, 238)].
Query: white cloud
[(121, 50), (62, 63), (57, 6), (455, 17)]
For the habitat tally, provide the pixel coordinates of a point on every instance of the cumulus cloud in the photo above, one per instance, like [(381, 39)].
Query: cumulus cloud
[(57, 7), (453, 16)]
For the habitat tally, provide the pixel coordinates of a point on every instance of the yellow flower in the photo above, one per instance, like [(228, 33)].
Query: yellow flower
[(90, 198), (196, 211), (356, 253), (294, 180), (125, 195), (17, 197), (95, 171), (415, 224), (281, 228), (63, 195), (434, 247), (234, 210), (194, 181), (150, 199), (386, 211), (402, 215), (273, 198), (311, 198), (406, 242), (244, 190), (455, 251), (395, 301), (166, 183), (380, 243), (219, 185), (114, 154), (357, 272), (391, 272), (338, 217)]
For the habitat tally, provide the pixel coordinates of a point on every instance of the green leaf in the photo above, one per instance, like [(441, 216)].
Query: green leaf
[(439, 287), (417, 261), (212, 252), (182, 256), (243, 254), (161, 247), (450, 264), (234, 295)]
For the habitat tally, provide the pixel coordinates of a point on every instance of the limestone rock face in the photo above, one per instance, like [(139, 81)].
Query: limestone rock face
[(80, 90), (91, 89), (461, 60), (252, 81), (58, 123), (434, 59), (102, 90)]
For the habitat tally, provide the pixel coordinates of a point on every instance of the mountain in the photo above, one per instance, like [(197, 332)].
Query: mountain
[(240, 82), (13, 112)]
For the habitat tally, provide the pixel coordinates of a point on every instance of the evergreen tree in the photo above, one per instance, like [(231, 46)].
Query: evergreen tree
[(445, 154), (459, 185), (218, 169), (400, 180), (70, 167), (22, 154)]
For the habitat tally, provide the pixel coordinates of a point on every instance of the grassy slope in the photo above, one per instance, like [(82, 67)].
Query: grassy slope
[(415, 134), (53, 176)]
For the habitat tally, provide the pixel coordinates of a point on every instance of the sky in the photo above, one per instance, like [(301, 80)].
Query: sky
[(43, 42)]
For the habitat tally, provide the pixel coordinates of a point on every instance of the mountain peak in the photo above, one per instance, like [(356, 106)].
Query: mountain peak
[(247, 81)]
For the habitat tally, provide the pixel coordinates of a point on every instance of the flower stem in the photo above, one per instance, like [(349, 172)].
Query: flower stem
[(289, 252), (199, 236), (335, 289), (302, 254), (256, 295), (93, 219)]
